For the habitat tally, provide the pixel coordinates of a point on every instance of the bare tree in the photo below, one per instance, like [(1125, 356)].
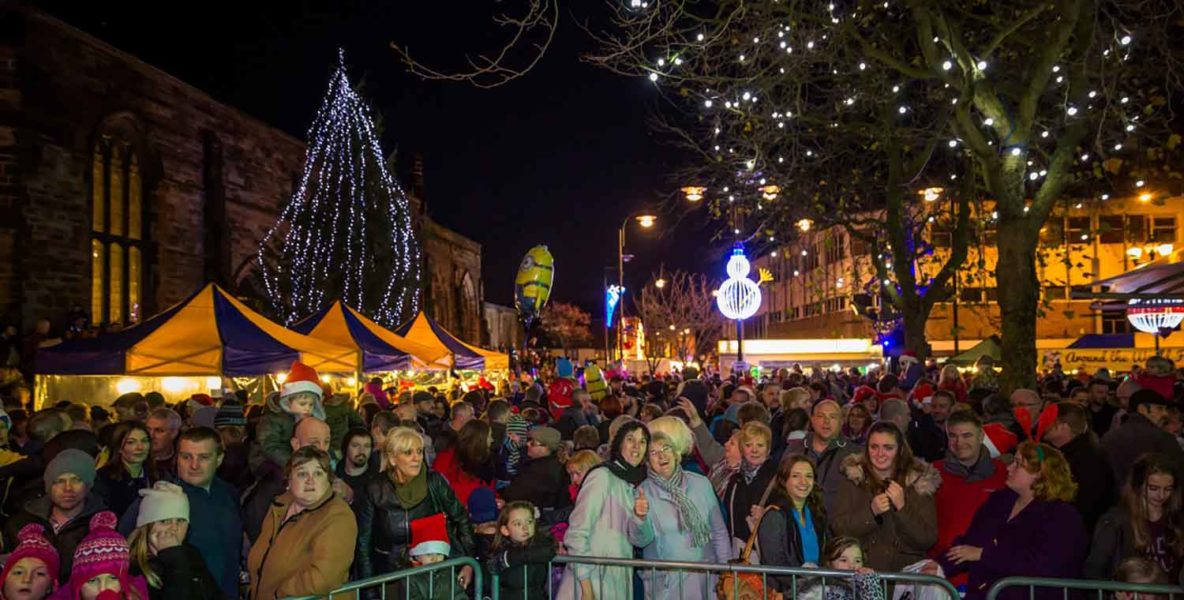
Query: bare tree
[(530, 35), (680, 318), (850, 108), (566, 324)]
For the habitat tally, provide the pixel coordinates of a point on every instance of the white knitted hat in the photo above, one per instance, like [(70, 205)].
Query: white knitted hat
[(162, 501)]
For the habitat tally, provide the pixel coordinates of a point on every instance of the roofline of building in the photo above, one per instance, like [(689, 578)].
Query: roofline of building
[(134, 61)]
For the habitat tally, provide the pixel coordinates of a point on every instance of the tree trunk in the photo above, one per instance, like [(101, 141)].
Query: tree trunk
[(1019, 297), (915, 316)]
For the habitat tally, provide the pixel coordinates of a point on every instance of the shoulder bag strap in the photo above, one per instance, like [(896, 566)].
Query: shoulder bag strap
[(752, 536)]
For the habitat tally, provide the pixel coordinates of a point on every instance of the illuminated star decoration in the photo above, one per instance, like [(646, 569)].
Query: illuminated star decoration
[(346, 232)]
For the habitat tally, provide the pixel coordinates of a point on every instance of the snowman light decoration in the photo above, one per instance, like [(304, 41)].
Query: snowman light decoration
[(739, 297)]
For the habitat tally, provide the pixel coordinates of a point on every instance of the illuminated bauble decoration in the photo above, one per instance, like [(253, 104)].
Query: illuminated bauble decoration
[(1155, 316), (739, 297)]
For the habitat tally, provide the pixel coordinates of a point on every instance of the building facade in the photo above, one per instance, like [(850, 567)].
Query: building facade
[(817, 276), (124, 189)]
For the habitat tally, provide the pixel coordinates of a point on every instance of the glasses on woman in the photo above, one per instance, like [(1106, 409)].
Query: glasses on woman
[(660, 451)]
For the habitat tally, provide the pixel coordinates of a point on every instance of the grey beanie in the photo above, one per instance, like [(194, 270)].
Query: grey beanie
[(73, 461)]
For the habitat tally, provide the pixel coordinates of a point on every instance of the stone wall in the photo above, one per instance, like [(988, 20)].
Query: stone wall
[(214, 180)]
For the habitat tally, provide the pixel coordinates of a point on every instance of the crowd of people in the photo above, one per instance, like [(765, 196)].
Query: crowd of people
[(915, 468)]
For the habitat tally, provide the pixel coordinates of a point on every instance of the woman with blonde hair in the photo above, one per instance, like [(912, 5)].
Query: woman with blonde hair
[(173, 569), (749, 489), (1029, 529), (407, 490)]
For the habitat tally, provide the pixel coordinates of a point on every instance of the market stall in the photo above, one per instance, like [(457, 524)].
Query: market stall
[(381, 349), (459, 355), (186, 349)]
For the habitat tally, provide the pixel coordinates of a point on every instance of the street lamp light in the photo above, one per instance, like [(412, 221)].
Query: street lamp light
[(931, 194), (659, 283), (694, 193), (646, 221)]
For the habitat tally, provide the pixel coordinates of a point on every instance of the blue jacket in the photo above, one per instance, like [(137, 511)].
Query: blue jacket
[(215, 530)]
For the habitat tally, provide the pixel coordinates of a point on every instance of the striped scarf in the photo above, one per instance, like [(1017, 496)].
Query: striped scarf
[(688, 516)]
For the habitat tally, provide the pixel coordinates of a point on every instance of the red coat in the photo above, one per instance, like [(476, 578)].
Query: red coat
[(461, 482), (958, 499)]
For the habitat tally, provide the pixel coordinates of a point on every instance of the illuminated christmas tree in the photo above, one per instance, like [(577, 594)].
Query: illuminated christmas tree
[(346, 233)]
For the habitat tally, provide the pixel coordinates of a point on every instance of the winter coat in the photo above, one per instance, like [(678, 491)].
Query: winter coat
[(273, 437), (440, 584), (64, 540), (183, 576), (1096, 488), (341, 417), (963, 489), (384, 526), (780, 540), (306, 554), (1113, 542), (542, 482), (1046, 539), (861, 586), (894, 539), (828, 464), (463, 483), (598, 527), (742, 495), (215, 531), (710, 450), (119, 494), (1134, 438), (660, 538), (524, 571)]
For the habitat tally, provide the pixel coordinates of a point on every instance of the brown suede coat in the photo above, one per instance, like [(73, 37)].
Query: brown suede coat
[(308, 554)]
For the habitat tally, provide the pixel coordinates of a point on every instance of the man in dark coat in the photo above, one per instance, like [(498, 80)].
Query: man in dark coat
[(1141, 433), (827, 447), (65, 510), (543, 480), (1096, 490)]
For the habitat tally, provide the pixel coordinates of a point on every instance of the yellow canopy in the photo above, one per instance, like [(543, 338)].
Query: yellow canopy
[(423, 330), (381, 349)]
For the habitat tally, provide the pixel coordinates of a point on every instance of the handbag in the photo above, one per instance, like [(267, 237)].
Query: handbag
[(746, 585)]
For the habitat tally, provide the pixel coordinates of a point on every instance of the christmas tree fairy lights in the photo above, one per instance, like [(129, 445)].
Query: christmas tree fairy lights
[(346, 232)]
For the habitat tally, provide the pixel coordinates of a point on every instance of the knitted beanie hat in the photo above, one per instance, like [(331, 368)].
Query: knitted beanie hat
[(33, 544), (102, 551), (162, 501), (72, 461), (230, 414)]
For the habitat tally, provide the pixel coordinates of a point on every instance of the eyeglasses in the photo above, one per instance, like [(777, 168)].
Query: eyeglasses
[(660, 451)]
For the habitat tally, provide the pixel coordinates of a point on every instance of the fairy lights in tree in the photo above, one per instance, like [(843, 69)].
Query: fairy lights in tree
[(346, 232)]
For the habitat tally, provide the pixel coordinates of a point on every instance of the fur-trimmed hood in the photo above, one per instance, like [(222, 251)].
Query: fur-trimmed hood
[(922, 476)]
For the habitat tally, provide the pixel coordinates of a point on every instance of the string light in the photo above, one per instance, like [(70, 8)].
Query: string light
[(346, 205)]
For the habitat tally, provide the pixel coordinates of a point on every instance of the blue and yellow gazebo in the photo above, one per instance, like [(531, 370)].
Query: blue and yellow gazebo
[(380, 349)]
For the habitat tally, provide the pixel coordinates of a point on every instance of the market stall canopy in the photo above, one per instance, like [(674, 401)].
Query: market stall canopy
[(991, 346), (1097, 341), (1157, 280), (209, 333), (381, 349), (423, 330)]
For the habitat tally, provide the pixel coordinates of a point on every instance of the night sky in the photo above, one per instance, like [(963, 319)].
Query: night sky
[(558, 157)]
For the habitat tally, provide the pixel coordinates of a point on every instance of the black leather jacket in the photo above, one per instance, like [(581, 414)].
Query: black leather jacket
[(384, 526)]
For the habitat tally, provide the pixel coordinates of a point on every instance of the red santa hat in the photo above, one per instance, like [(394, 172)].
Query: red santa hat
[(863, 393), (998, 439), (429, 535), (302, 378), (908, 357), (922, 392)]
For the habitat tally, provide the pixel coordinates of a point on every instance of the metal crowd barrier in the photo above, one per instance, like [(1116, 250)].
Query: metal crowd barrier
[(654, 566), (353, 588), (1146, 590)]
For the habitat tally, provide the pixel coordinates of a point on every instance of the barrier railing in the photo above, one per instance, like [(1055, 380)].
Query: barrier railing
[(359, 587), (655, 566), (1144, 591)]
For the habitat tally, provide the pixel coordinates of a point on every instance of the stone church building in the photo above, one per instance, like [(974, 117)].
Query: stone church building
[(123, 189)]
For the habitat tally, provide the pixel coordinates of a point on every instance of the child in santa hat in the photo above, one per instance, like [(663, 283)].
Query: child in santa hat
[(429, 545), (30, 572), (102, 565), (299, 397)]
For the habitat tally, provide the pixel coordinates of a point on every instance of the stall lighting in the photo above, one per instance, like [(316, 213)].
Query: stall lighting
[(127, 385)]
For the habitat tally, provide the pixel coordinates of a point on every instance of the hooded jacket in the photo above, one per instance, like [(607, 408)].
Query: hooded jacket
[(307, 554), (273, 435), (894, 539)]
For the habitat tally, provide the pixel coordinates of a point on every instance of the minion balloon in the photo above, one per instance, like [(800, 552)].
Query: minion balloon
[(532, 285)]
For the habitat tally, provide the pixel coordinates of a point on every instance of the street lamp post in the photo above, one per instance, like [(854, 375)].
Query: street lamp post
[(646, 221)]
